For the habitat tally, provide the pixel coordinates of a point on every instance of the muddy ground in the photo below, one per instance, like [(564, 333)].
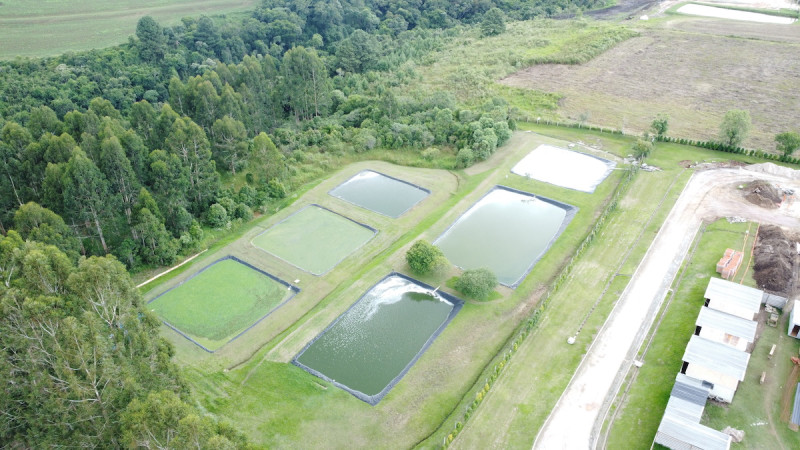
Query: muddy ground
[(763, 194), (775, 255)]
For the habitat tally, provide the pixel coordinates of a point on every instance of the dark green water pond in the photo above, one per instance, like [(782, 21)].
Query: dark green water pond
[(380, 193), (506, 231), (371, 346)]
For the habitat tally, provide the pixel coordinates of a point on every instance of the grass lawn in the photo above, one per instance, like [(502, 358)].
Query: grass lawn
[(48, 28), (636, 423), (220, 302), (314, 239)]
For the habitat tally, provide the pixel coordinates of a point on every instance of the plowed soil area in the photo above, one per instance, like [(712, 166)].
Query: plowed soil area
[(775, 255), (693, 77)]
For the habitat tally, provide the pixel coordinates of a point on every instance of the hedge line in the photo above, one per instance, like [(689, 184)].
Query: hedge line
[(710, 145), (533, 321)]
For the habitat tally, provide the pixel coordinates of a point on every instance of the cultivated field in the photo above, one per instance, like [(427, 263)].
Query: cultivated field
[(48, 28), (220, 302), (695, 75)]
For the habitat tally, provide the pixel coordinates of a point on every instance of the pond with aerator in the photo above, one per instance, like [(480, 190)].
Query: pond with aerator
[(507, 231), (380, 193), (372, 345)]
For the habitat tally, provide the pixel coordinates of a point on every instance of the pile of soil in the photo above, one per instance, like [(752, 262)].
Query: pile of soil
[(774, 256), (763, 194)]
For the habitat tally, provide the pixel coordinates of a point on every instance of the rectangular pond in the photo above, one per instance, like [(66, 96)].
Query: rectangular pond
[(506, 231), (315, 239), (221, 302), (380, 193), (565, 168), (369, 348)]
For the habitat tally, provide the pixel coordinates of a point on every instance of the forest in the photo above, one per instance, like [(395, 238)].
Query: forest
[(125, 158)]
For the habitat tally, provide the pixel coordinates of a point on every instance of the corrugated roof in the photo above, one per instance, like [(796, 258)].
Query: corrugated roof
[(691, 390), (673, 428), (732, 293), (796, 410), (717, 357), (727, 323)]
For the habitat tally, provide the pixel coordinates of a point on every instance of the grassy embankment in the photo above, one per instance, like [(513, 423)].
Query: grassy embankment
[(48, 28), (755, 408)]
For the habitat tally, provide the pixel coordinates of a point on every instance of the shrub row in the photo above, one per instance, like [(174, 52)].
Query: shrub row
[(719, 146), (710, 145), (533, 321)]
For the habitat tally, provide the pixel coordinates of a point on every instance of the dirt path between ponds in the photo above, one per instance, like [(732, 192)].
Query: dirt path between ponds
[(577, 417)]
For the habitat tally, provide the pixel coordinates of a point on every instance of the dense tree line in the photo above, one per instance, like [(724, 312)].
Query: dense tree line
[(83, 364)]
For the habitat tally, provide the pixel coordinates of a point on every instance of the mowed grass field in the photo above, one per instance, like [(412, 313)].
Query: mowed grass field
[(314, 239), (51, 27), (220, 302), (692, 69)]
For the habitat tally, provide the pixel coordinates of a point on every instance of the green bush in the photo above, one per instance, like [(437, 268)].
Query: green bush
[(217, 216), (424, 258), (477, 283)]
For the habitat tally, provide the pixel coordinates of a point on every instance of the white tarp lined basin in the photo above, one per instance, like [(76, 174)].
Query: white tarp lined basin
[(724, 13), (565, 168)]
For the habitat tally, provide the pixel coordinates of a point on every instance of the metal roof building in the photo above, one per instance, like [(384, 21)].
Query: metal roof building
[(680, 427), (716, 363), (796, 410), (733, 298), (726, 328), (794, 320)]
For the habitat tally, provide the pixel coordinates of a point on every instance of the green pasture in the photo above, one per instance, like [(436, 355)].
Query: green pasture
[(220, 302), (51, 27), (314, 239)]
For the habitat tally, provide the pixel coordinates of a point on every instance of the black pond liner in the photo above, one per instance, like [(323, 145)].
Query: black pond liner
[(294, 289), (374, 232), (610, 165), (427, 191), (570, 214), (374, 399)]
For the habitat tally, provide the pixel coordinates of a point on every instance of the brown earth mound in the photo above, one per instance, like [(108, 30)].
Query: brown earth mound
[(774, 260), (763, 194)]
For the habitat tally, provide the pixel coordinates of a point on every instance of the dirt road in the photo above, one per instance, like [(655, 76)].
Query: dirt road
[(575, 421)]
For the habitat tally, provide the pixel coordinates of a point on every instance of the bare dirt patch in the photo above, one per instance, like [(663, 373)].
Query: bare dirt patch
[(774, 255), (695, 78), (763, 194)]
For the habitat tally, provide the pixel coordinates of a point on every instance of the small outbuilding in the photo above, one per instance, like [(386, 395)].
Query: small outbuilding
[(725, 328), (718, 364), (733, 298), (680, 427), (794, 320)]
